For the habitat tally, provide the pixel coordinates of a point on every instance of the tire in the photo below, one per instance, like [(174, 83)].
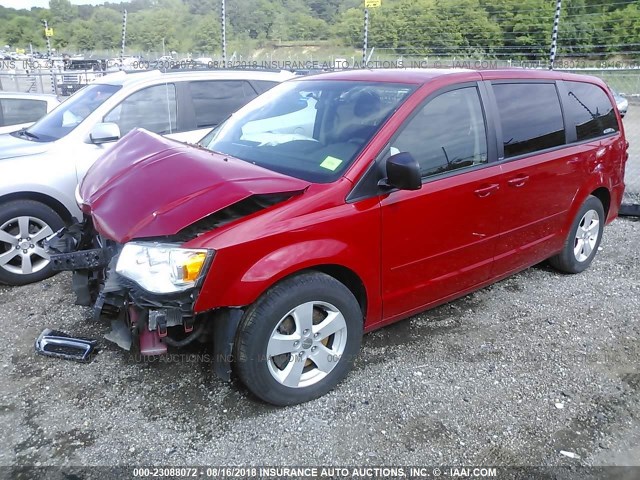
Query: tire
[(24, 225), (310, 364), (584, 238)]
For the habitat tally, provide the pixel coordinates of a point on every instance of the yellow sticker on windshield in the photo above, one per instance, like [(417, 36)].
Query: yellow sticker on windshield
[(331, 163)]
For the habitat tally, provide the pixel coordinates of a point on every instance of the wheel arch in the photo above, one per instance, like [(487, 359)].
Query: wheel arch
[(604, 195), (347, 277), (45, 199)]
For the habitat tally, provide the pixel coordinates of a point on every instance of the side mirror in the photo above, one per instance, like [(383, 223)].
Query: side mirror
[(403, 172), (104, 132)]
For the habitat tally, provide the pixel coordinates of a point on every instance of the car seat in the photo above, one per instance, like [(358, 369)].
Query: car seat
[(367, 113)]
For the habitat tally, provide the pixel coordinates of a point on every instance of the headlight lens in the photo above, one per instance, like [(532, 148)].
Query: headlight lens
[(162, 268)]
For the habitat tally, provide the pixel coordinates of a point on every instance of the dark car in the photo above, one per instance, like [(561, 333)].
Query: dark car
[(337, 204)]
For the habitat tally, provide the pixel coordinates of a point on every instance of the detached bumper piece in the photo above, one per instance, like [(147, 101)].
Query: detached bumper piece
[(53, 343), (80, 249), (82, 260)]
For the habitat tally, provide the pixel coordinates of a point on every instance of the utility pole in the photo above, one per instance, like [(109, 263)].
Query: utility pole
[(48, 33), (365, 44), (124, 38), (554, 35), (223, 18)]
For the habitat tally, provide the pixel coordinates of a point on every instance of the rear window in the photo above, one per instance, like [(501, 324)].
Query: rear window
[(530, 116), (590, 111), (16, 110)]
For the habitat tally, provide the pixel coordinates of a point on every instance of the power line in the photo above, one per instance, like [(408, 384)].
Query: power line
[(537, 10)]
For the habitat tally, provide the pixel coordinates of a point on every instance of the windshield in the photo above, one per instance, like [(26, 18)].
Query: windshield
[(69, 114), (310, 129)]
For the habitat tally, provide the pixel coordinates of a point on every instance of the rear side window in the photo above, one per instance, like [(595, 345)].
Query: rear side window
[(16, 110), (214, 101), (590, 110), (530, 116), (153, 108)]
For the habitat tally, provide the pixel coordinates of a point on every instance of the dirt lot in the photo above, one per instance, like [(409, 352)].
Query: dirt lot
[(510, 375)]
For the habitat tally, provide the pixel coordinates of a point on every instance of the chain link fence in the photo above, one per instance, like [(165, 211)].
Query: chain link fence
[(63, 83), (27, 82)]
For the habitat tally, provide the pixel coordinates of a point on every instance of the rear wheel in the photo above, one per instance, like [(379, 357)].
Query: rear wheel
[(24, 225), (584, 238), (299, 339)]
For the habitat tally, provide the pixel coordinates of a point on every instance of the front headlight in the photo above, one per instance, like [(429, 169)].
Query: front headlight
[(162, 268)]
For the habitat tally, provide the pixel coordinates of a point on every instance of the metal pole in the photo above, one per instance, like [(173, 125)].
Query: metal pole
[(223, 18), (554, 36), (124, 38), (365, 44), (53, 80)]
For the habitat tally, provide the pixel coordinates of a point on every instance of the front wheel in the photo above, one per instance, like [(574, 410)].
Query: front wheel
[(299, 339), (24, 225), (584, 238)]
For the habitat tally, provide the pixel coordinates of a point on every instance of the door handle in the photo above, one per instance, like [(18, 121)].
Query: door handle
[(518, 181), (486, 191)]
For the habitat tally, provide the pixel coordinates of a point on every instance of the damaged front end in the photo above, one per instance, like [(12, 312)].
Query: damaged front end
[(138, 316), (141, 320), (145, 201)]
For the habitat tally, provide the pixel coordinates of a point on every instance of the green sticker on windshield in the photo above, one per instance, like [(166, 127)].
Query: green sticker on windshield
[(331, 163)]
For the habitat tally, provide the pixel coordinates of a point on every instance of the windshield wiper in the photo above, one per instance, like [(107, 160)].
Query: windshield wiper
[(26, 133)]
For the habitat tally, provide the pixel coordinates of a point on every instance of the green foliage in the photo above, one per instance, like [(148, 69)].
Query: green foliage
[(504, 28), (208, 34)]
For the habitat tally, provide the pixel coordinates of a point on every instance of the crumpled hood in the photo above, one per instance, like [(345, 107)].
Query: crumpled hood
[(150, 186), (11, 147)]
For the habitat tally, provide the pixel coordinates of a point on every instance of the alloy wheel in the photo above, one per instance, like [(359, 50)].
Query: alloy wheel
[(306, 344), (22, 245), (586, 235)]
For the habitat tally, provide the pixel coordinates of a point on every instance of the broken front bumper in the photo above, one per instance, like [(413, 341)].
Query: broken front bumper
[(138, 318)]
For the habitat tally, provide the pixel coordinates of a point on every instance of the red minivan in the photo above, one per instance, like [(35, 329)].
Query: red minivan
[(336, 204)]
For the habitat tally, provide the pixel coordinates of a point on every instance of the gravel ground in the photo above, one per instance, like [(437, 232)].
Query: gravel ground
[(510, 375)]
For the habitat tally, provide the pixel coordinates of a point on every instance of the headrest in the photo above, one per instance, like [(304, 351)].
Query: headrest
[(367, 104)]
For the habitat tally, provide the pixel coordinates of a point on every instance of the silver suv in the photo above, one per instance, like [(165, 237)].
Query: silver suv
[(41, 166)]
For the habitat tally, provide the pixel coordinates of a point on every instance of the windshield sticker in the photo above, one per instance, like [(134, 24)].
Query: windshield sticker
[(331, 163)]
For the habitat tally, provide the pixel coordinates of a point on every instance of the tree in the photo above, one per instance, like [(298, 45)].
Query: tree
[(83, 35), (203, 7), (208, 34), (62, 11), (106, 26)]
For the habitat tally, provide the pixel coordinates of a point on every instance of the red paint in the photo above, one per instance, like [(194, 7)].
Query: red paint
[(168, 186), (411, 250)]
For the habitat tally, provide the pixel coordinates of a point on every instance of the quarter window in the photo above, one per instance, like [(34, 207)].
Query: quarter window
[(214, 101), (590, 110), (16, 110), (263, 85), (530, 116), (153, 108), (447, 133)]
